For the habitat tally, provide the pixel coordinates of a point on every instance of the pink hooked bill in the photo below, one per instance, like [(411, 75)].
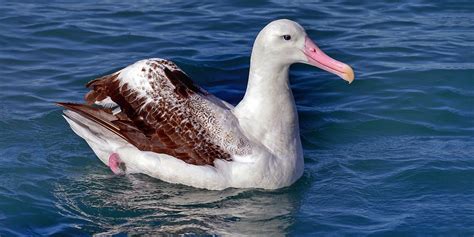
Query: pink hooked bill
[(318, 58)]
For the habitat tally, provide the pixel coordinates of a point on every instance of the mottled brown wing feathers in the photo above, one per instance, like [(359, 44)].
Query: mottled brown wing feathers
[(156, 120), (99, 90), (183, 84)]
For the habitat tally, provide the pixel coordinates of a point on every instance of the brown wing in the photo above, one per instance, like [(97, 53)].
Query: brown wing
[(161, 110)]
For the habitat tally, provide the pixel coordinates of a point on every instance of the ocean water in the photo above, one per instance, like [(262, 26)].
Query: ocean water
[(391, 154)]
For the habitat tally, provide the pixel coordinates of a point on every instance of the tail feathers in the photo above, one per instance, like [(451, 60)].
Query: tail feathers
[(101, 116), (118, 124)]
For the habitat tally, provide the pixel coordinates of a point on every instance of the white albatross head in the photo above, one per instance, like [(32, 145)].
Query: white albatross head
[(285, 42)]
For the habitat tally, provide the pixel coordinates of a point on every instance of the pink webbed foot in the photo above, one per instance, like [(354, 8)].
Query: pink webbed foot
[(116, 164)]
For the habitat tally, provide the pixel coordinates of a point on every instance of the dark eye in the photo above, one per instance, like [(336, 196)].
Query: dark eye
[(287, 37)]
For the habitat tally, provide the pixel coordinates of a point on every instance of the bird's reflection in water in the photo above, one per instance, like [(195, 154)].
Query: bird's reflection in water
[(138, 204)]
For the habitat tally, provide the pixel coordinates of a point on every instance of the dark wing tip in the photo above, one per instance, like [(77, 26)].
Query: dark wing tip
[(182, 82), (90, 83), (66, 105)]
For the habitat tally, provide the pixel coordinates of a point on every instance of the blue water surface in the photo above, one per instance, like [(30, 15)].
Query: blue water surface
[(391, 154)]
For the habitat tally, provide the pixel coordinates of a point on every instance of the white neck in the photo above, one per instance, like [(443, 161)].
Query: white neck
[(268, 111)]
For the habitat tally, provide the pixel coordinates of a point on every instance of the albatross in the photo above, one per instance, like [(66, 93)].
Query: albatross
[(151, 118)]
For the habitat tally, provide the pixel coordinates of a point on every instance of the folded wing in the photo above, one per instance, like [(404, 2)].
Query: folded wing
[(155, 106)]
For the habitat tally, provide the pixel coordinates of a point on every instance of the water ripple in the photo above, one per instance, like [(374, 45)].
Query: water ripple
[(389, 154)]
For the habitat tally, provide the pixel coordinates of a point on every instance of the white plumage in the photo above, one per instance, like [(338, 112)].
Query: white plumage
[(256, 143)]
